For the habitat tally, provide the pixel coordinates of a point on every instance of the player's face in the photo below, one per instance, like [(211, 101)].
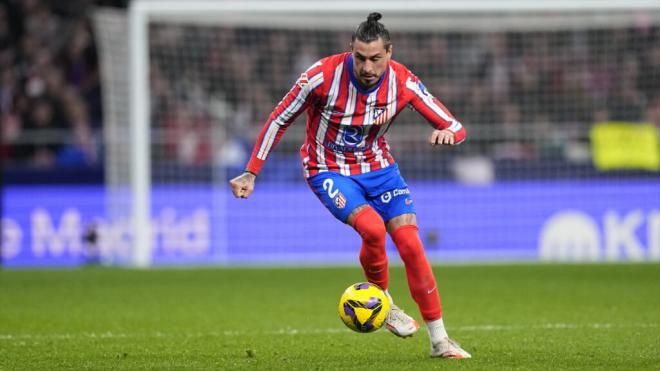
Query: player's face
[(370, 61)]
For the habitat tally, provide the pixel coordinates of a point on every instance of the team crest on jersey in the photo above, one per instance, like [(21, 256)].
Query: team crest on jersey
[(340, 201), (379, 115), (302, 80)]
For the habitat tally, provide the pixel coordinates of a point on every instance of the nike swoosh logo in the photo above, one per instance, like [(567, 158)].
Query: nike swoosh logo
[(431, 290), (376, 271)]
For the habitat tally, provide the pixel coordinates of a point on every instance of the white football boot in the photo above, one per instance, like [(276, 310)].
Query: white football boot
[(448, 348), (399, 323)]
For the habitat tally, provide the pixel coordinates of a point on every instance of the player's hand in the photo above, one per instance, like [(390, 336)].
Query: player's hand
[(441, 137), (243, 185)]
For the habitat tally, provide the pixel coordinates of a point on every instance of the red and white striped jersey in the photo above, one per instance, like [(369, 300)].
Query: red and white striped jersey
[(346, 124)]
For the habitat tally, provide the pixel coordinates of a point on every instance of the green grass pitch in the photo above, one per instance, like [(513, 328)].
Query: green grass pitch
[(554, 317)]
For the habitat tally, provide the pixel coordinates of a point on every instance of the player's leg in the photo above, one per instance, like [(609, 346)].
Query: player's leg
[(387, 194), (346, 200), (421, 281), (395, 205), (366, 222), (392, 205)]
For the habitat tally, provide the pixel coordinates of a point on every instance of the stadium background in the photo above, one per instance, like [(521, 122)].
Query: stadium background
[(562, 108), (533, 182)]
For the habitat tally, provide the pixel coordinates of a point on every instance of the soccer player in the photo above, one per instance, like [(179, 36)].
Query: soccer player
[(351, 99)]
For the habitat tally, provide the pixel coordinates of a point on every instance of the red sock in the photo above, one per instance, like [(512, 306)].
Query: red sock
[(420, 276), (373, 258)]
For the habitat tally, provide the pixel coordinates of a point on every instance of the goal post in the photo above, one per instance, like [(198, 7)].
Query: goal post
[(199, 29), (140, 146)]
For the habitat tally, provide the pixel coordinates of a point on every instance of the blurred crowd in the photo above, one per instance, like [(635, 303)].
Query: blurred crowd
[(50, 95), (529, 95), (525, 95)]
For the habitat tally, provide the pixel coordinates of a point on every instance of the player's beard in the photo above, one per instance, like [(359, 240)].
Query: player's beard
[(373, 79)]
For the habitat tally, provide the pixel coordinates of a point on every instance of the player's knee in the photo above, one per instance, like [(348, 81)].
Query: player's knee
[(374, 233), (408, 243), (370, 226)]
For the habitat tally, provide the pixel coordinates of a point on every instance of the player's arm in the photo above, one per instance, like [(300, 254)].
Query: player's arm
[(292, 105), (447, 130)]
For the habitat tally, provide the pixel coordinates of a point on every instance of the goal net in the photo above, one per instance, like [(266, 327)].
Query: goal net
[(561, 102)]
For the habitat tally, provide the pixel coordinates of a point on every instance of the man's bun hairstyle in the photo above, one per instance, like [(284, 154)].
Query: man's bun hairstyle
[(370, 30), (374, 17)]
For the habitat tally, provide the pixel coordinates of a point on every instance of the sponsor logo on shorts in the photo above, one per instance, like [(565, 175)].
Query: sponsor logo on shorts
[(408, 201), (400, 191), (387, 196)]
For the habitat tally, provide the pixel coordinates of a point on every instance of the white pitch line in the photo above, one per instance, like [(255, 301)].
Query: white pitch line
[(293, 331)]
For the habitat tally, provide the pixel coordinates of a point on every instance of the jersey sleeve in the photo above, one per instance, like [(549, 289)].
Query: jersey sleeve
[(432, 110), (295, 102)]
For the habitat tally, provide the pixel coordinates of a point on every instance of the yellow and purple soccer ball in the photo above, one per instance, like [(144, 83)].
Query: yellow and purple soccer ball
[(363, 307)]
